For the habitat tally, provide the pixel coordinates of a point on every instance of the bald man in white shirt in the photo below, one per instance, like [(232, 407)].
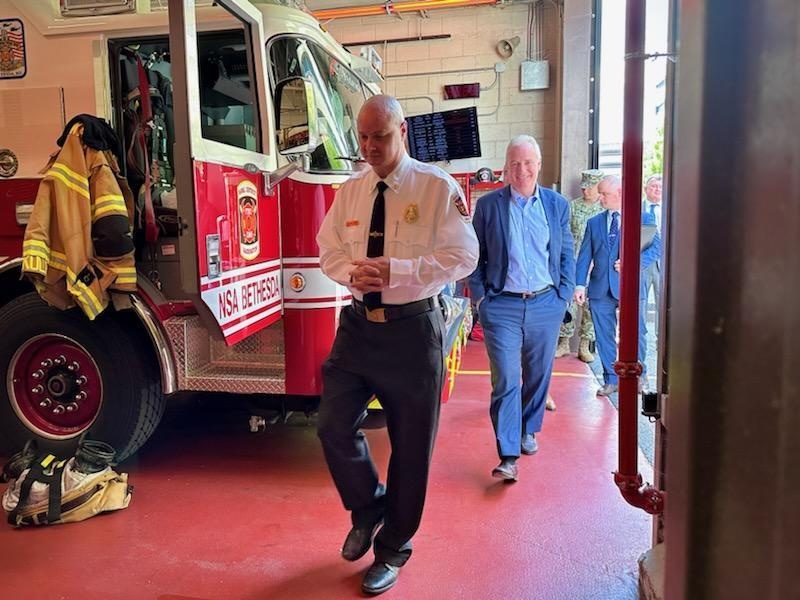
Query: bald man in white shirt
[(395, 235)]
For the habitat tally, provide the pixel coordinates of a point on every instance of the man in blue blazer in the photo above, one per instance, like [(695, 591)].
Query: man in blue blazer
[(524, 280), (653, 205), (600, 252)]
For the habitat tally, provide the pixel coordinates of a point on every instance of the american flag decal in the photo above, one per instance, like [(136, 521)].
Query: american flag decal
[(12, 49)]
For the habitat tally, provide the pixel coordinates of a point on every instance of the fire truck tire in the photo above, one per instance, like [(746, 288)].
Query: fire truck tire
[(64, 375)]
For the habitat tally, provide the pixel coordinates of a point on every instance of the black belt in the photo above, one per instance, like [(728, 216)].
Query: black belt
[(393, 312), (527, 295)]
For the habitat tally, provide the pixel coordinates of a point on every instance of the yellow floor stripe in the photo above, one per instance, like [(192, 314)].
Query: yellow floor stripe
[(555, 374)]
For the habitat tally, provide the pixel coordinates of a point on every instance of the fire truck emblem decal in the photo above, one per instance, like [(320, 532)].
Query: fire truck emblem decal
[(247, 199), (12, 49), (8, 163)]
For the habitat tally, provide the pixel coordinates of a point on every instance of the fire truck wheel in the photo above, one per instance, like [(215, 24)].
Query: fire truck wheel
[(65, 375)]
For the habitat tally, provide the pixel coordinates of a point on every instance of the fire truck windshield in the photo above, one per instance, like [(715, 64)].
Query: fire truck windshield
[(339, 94)]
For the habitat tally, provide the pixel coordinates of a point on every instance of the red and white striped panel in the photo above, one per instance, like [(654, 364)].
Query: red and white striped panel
[(243, 297), (319, 291)]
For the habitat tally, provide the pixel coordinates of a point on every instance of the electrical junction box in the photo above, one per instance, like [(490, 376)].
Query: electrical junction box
[(534, 75)]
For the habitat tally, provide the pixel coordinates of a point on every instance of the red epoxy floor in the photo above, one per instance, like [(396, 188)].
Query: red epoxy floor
[(222, 513)]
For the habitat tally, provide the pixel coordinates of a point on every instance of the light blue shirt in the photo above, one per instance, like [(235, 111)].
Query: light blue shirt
[(529, 239), (655, 210)]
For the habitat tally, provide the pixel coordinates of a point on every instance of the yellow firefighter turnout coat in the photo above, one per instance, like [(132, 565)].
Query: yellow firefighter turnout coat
[(78, 243)]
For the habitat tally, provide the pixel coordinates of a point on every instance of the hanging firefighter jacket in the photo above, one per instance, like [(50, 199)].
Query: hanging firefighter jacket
[(78, 242)]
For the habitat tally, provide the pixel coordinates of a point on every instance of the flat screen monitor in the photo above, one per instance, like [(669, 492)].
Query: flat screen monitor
[(445, 135)]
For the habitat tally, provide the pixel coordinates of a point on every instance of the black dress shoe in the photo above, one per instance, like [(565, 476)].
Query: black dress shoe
[(358, 541), (379, 578), (529, 445), (507, 469)]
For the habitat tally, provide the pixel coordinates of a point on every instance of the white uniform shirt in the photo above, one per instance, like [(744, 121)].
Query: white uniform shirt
[(428, 238)]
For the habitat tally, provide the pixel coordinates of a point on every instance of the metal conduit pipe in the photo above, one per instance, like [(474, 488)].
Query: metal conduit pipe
[(497, 107), (435, 73), (628, 368), (403, 40), (428, 98), (391, 8), (458, 71)]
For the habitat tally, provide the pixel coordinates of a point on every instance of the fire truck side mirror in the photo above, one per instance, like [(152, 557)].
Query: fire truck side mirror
[(296, 116)]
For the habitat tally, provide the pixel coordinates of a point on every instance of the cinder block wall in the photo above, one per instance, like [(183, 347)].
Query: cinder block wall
[(503, 110)]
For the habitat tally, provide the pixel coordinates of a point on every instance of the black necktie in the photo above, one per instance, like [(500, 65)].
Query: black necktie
[(377, 226)]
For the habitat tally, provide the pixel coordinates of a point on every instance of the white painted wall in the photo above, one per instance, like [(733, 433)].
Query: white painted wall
[(31, 106), (474, 34)]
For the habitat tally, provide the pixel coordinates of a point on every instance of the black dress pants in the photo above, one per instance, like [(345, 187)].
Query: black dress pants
[(402, 363)]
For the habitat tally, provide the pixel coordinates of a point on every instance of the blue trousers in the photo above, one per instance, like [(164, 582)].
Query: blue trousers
[(604, 315), (521, 337)]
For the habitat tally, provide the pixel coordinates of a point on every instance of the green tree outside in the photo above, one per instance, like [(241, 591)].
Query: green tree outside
[(654, 156)]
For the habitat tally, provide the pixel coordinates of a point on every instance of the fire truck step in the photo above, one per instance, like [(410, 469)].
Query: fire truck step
[(254, 365)]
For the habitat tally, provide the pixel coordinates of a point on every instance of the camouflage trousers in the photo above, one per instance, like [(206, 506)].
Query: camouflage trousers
[(587, 327)]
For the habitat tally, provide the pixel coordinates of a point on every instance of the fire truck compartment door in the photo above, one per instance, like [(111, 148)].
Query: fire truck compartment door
[(230, 244)]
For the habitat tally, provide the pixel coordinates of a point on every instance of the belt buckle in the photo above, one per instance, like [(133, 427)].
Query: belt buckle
[(526, 295), (376, 315)]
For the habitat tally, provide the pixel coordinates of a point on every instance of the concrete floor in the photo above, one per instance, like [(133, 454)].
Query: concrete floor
[(219, 513), (646, 428)]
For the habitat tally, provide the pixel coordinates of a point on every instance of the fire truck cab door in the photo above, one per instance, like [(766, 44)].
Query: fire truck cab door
[(230, 244)]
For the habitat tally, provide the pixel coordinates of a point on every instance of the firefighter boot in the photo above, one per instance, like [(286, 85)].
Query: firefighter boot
[(584, 353), (563, 347)]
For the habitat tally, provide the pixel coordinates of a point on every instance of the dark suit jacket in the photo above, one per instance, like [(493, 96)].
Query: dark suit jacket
[(596, 253), (491, 222)]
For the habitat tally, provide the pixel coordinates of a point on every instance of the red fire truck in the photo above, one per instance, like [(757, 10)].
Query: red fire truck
[(237, 120)]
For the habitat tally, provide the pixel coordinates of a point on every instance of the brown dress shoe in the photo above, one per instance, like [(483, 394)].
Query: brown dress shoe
[(584, 353), (507, 469), (549, 404)]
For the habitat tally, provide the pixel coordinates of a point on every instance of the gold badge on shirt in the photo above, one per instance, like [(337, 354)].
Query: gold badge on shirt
[(411, 215)]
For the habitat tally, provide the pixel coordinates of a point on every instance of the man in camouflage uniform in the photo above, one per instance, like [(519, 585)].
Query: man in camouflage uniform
[(581, 210)]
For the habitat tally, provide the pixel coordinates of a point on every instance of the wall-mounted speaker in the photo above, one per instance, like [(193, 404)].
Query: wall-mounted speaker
[(505, 48)]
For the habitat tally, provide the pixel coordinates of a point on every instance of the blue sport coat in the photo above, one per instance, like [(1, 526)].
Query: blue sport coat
[(491, 222), (596, 253)]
